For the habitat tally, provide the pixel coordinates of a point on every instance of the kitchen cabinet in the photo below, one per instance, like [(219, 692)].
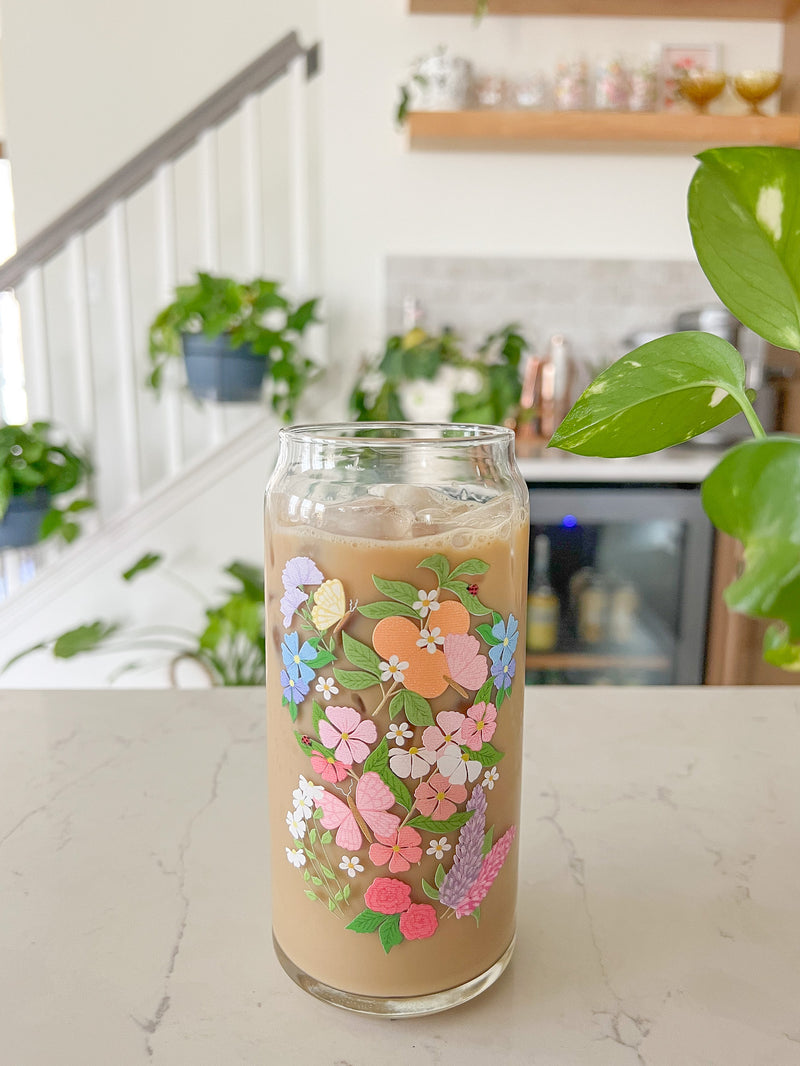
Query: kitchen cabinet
[(593, 130)]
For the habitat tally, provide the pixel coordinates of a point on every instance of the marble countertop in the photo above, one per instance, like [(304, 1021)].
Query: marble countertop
[(659, 914)]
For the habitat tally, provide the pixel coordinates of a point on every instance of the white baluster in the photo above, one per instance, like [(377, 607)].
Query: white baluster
[(209, 231), (252, 196), (81, 339), (299, 177), (166, 267), (38, 383), (125, 351)]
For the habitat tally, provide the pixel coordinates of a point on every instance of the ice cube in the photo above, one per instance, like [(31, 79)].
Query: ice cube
[(370, 518)]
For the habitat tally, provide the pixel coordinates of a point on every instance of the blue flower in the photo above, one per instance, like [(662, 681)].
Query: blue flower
[(295, 689), (296, 658), (507, 635), (503, 673)]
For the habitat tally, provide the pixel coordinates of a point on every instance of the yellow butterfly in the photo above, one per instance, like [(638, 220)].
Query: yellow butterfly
[(329, 604)]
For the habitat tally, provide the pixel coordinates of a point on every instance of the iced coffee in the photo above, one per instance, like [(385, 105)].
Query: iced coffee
[(395, 689)]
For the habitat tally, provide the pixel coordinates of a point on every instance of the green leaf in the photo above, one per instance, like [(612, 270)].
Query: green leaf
[(778, 651), (346, 892), (366, 922), (312, 746), (322, 658), (354, 679), (318, 814), (338, 897), (447, 825), (360, 655), (439, 876), (148, 560), (470, 566), (306, 875), (484, 693), (310, 894), (488, 838), (396, 590), (332, 906), (440, 566), (485, 630), (661, 394), (476, 914), (487, 756), (753, 494), (413, 706), (429, 890), (378, 758), (472, 603), (389, 933), (378, 761), (326, 871), (317, 714), (744, 205), (83, 638), (387, 609), (316, 880), (312, 836), (292, 708), (326, 837)]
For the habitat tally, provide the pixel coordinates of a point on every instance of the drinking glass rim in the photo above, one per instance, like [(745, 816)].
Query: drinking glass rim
[(458, 433)]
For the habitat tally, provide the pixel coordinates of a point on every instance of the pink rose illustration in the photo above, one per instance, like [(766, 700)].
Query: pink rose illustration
[(418, 922), (387, 895)]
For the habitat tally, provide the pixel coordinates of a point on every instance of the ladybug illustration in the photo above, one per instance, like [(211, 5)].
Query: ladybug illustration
[(472, 589)]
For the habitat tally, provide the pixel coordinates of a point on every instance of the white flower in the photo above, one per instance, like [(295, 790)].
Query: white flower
[(326, 686), (399, 733), (297, 827), (456, 765), (436, 847), (430, 638), (393, 670), (351, 865), (416, 762), (296, 856), (302, 803), (308, 788), (490, 777), (274, 319), (427, 602)]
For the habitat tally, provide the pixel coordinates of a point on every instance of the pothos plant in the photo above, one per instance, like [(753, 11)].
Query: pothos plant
[(743, 209), (482, 387)]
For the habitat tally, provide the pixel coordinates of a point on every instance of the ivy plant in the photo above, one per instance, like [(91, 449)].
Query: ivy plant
[(743, 210)]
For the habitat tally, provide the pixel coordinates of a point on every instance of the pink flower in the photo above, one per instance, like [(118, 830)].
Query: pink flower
[(448, 730), (348, 734), (419, 922), (479, 725), (416, 762), (387, 895), (328, 768), (399, 850), (438, 798)]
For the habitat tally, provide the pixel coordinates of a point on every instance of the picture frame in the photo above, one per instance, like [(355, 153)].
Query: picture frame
[(675, 59)]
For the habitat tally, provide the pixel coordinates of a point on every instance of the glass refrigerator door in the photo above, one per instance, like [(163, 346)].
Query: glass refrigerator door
[(624, 598)]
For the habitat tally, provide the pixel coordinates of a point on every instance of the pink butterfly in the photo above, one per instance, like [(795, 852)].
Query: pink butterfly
[(373, 800), (464, 664)]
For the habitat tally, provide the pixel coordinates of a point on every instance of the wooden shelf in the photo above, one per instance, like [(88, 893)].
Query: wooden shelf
[(632, 131), (575, 660), (761, 10)]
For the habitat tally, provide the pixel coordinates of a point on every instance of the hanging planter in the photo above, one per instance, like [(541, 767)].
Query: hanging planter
[(217, 370), (21, 525)]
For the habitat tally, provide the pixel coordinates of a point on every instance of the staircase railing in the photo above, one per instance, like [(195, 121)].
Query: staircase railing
[(90, 281)]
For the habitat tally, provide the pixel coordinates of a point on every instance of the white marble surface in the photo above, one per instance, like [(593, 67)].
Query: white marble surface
[(660, 896)]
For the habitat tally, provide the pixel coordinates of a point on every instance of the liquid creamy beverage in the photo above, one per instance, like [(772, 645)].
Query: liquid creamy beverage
[(395, 688)]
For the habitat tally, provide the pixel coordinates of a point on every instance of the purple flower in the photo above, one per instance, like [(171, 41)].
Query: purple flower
[(502, 673), (295, 689), (291, 600), (301, 571), (468, 857)]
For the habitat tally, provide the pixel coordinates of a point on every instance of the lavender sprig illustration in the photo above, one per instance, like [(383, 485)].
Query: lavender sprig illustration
[(468, 857)]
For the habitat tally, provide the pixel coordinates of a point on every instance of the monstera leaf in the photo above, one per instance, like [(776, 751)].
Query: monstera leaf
[(754, 495)]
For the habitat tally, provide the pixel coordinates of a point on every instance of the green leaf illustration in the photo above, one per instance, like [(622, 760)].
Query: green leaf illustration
[(389, 933), (429, 890), (439, 564), (327, 872), (661, 394), (292, 708), (338, 896), (360, 655), (322, 658), (476, 914), (485, 691), (430, 825), (439, 876), (500, 697), (485, 630), (414, 707), (378, 758), (312, 836), (487, 756), (316, 880), (354, 679), (326, 837), (488, 837), (396, 590), (310, 894), (312, 746), (387, 609), (318, 814), (346, 892), (332, 906), (472, 603), (366, 922), (378, 761), (317, 714), (306, 875), (470, 566)]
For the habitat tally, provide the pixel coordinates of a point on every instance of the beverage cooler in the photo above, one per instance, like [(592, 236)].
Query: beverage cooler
[(619, 581)]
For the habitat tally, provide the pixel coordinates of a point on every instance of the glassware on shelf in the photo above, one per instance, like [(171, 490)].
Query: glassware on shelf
[(530, 93), (491, 91), (543, 606), (643, 87), (756, 86), (700, 87), (612, 86), (571, 85)]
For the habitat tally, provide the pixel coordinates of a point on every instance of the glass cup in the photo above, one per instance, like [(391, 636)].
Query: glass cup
[(396, 575)]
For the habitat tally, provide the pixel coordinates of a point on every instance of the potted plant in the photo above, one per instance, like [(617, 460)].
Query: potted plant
[(36, 466), (230, 333), (743, 205), (429, 377)]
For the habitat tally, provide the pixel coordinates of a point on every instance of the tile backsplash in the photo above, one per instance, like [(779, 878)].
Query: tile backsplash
[(594, 303)]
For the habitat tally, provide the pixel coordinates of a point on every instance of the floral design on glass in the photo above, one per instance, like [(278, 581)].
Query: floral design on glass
[(388, 804)]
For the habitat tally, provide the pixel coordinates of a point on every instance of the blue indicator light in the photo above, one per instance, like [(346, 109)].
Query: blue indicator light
[(569, 521)]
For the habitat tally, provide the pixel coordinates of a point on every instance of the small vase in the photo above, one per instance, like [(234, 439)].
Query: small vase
[(217, 371), (20, 525)]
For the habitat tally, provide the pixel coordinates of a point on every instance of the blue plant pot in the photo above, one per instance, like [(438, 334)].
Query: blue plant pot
[(22, 521), (217, 371)]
